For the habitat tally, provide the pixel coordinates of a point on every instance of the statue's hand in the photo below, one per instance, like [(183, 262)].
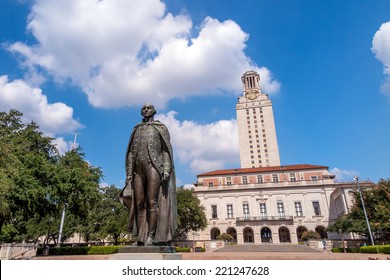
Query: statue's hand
[(165, 176)]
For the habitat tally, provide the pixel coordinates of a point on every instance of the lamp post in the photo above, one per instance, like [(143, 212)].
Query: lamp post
[(364, 210)]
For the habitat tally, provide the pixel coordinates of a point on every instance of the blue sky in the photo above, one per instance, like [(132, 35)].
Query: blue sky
[(89, 65)]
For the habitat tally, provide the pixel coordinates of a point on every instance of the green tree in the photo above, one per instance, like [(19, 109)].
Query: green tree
[(35, 182), (377, 204), (27, 172), (311, 234), (225, 237), (78, 190), (190, 212), (108, 218)]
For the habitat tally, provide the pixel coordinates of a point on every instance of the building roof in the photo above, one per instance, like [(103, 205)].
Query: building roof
[(237, 171)]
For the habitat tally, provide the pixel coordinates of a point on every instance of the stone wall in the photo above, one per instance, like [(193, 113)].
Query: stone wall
[(13, 251)]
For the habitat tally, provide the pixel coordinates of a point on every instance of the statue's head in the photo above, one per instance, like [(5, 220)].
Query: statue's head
[(148, 110)]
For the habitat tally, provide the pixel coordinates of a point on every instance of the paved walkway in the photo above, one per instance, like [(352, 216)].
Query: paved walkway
[(252, 252)]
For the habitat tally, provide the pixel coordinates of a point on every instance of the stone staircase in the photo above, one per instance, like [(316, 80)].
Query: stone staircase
[(267, 248)]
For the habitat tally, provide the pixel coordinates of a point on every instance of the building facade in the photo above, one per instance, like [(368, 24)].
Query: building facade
[(271, 204), (264, 202), (256, 125)]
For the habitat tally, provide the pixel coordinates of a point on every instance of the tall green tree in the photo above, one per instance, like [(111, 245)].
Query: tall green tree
[(27, 173), (191, 214), (114, 214), (36, 182), (377, 204)]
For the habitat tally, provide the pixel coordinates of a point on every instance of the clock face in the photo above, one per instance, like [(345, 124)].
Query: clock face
[(252, 94)]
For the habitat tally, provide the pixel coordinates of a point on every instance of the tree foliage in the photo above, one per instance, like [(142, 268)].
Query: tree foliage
[(311, 234), (225, 237), (35, 181), (191, 215), (377, 204), (108, 218)]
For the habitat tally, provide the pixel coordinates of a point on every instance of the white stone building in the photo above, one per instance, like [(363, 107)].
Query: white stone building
[(264, 202), (271, 204)]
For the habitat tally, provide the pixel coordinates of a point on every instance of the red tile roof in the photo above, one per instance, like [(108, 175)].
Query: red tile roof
[(263, 169)]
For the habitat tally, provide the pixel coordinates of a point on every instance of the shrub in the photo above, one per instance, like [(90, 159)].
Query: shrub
[(306, 235), (347, 250), (92, 250), (182, 250), (103, 250), (225, 237), (383, 249)]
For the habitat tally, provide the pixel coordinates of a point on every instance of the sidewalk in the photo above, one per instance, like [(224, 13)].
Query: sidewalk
[(245, 256)]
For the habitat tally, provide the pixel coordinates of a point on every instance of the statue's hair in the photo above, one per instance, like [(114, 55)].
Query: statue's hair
[(150, 105)]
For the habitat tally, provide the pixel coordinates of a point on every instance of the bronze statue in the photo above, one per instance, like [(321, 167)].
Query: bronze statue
[(150, 189)]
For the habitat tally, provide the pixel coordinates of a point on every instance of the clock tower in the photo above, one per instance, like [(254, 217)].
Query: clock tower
[(256, 126)]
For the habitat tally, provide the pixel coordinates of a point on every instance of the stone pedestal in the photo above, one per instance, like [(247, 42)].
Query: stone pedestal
[(146, 253)]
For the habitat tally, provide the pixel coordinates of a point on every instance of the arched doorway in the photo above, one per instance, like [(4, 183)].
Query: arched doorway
[(214, 232), (266, 235), (284, 235), (233, 233), (300, 231), (248, 235), (322, 232)]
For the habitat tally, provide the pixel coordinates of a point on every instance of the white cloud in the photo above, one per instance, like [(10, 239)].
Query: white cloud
[(124, 53), (381, 49), (52, 118), (203, 147), (343, 175)]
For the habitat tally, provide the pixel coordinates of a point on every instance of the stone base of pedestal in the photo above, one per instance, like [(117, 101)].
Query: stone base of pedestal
[(146, 253)]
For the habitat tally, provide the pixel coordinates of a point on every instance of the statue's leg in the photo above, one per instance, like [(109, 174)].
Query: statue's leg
[(140, 211), (153, 189)]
